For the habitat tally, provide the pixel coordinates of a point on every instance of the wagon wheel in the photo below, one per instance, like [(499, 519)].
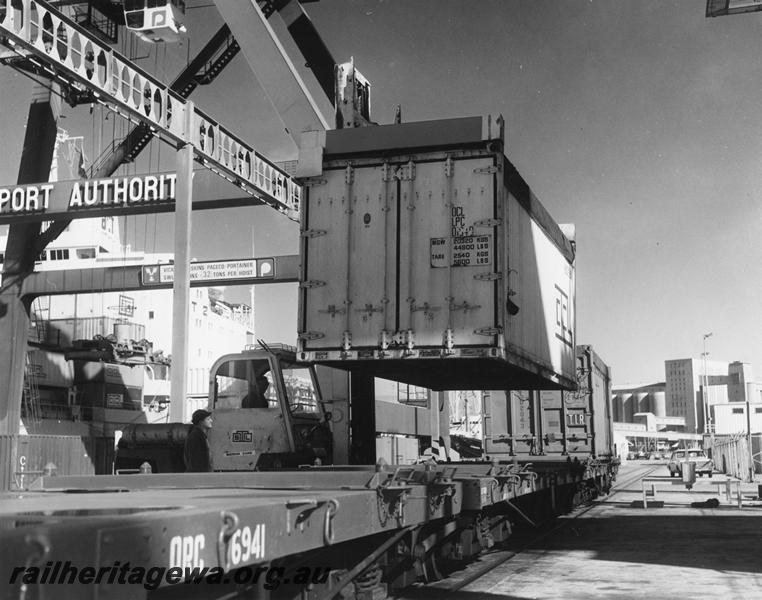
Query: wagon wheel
[(430, 569)]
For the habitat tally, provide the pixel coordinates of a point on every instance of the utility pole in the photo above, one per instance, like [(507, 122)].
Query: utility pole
[(749, 393), (181, 284), (704, 392)]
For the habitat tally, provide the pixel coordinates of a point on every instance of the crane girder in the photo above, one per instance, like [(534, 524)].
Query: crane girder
[(272, 68), (79, 59)]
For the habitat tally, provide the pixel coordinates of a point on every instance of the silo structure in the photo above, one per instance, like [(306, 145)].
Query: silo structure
[(628, 411), (659, 404), (616, 407), (640, 405)]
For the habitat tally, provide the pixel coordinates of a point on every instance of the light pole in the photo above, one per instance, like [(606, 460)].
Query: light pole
[(749, 393), (704, 393)]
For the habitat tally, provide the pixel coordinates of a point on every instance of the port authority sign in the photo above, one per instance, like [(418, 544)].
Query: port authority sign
[(88, 198), (212, 271)]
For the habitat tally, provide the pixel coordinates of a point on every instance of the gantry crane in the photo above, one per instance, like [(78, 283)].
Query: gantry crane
[(87, 69)]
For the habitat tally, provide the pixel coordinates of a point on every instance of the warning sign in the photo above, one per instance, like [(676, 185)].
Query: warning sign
[(467, 251), (212, 271)]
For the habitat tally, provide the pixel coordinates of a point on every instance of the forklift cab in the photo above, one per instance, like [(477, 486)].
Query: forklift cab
[(267, 412)]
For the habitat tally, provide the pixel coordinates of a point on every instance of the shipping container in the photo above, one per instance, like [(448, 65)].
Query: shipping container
[(109, 385), (732, 418), (554, 423), (110, 373), (397, 449), (50, 369), (427, 259), (23, 458)]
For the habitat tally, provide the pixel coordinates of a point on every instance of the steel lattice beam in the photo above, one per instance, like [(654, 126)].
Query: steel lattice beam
[(77, 58)]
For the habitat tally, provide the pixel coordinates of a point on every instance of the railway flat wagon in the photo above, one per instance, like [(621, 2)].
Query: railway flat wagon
[(317, 533), (427, 259)]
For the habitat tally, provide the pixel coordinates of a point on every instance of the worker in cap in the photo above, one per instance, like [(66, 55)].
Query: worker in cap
[(256, 397), (197, 455)]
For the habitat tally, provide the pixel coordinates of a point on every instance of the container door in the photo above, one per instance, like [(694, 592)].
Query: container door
[(510, 422), (553, 422), (371, 266), (447, 252), (578, 421), (600, 398), (497, 438), (346, 300), (525, 422)]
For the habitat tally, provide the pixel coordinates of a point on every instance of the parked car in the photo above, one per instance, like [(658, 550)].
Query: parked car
[(704, 464)]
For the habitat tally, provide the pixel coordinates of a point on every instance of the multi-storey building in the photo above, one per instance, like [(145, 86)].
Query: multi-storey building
[(694, 386)]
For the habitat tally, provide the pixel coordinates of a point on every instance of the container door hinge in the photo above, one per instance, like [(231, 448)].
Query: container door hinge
[(449, 167), (406, 173), (346, 340), (313, 233), (488, 276), (487, 170), (349, 174), (311, 335), (312, 283), (384, 339), (386, 172), (333, 311), (488, 223), (487, 331), (405, 338), (448, 341)]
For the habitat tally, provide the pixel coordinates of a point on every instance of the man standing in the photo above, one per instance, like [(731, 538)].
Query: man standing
[(197, 455)]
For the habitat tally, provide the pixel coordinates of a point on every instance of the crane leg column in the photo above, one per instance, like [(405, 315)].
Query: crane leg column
[(20, 255)]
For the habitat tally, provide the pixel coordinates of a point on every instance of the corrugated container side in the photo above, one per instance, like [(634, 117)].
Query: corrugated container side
[(103, 452), (397, 450), (7, 461), (23, 457), (198, 381)]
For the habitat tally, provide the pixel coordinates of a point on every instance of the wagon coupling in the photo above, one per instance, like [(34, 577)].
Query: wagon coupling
[(229, 525)]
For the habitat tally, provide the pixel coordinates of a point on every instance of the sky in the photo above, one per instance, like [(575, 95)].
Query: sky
[(639, 122)]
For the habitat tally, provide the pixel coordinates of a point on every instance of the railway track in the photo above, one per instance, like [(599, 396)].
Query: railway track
[(493, 559)]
